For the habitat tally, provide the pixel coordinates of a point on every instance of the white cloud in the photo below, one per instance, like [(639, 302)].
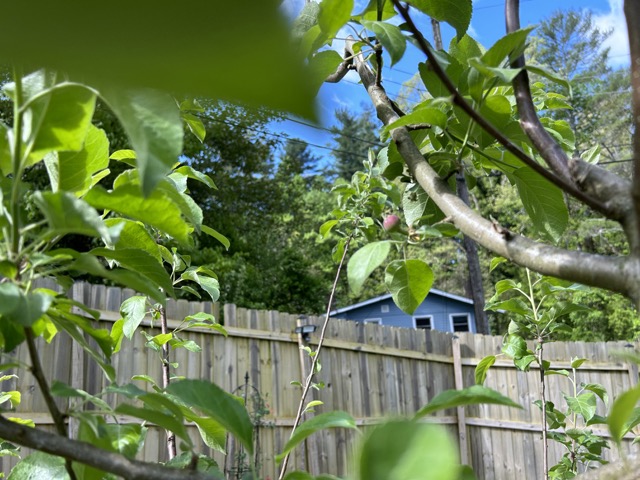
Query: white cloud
[(618, 42)]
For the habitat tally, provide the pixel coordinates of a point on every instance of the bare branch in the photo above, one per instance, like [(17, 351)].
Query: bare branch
[(549, 149), (619, 274), (87, 454), (38, 373), (459, 100), (166, 379), (632, 13)]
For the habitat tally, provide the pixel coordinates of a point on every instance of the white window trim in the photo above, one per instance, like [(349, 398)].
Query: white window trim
[(461, 314), (430, 317), (375, 321)]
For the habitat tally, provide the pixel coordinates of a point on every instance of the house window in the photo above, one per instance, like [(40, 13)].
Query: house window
[(384, 308), (460, 322), (377, 321), (425, 323)]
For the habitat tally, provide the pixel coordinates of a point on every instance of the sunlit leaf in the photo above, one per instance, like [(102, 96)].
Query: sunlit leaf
[(390, 36), (456, 13), (156, 209), (133, 311), (474, 395), (364, 262), (483, 368), (409, 282), (621, 412)]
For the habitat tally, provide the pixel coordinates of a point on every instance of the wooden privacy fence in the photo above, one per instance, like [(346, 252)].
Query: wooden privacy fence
[(370, 371)]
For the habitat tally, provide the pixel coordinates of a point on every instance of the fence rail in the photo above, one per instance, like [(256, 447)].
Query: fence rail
[(370, 371)]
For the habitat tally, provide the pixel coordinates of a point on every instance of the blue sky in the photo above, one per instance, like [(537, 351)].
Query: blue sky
[(487, 26)]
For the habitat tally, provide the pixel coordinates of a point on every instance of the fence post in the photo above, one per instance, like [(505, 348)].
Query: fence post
[(77, 362), (462, 419)]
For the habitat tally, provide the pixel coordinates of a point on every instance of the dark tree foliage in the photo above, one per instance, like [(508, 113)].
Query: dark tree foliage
[(353, 137)]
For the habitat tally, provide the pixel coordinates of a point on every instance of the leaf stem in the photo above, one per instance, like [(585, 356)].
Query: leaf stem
[(315, 357)]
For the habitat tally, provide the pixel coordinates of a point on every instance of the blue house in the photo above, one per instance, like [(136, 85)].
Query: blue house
[(440, 311)]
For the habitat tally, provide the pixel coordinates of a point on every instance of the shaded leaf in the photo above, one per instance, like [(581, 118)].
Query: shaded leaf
[(390, 36), (403, 449), (133, 310), (219, 405), (182, 38), (474, 395), (40, 466)]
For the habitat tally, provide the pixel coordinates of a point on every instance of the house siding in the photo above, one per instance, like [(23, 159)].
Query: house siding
[(438, 307)]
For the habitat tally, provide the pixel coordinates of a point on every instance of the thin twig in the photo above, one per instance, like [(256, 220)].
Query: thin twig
[(166, 379), (314, 362), (38, 373), (543, 397)]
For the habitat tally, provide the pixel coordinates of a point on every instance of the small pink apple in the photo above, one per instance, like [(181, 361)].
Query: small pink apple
[(391, 223)]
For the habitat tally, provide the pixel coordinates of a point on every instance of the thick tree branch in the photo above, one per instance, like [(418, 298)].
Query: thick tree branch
[(549, 149), (619, 274), (93, 456), (573, 171), (632, 13), (458, 99)]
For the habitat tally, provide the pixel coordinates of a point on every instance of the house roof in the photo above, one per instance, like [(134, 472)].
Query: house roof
[(433, 291)]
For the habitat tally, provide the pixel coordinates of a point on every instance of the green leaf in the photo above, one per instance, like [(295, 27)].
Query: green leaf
[(621, 412), (217, 235), (483, 368), (212, 433), (156, 209), (584, 404), (371, 10), (414, 203), (207, 283), (495, 261), (10, 297), (40, 466), (32, 306), (514, 346), (544, 72), (335, 419), (219, 405), (195, 125), (409, 282), (390, 37), (139, 261), (176, 43), (168, 421), (334, 14), (364, 262), (193, 174), (577, 362), (134, 235), (67, 214), (427, 115), (75, 170), (543, 202), (133, 310), (152, 122), (508, 47), (323, 64), (505, 285), (456, 13), (505, 75), (87, 263), (514, 305), (326, 227), (402, 450), (59, 113), (598, 389), (184, 461), (475, 395), (125, 156)]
